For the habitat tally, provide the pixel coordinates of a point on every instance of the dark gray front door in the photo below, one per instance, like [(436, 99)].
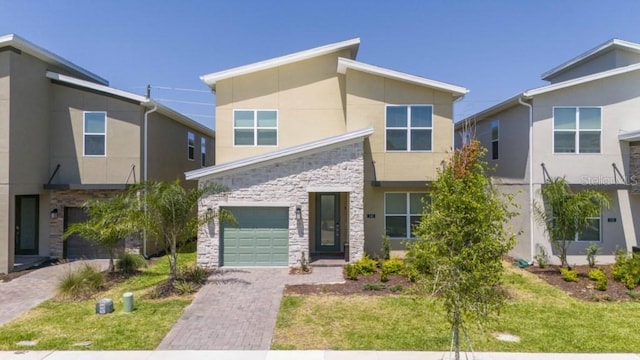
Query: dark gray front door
[(328, 222), (26, 235)]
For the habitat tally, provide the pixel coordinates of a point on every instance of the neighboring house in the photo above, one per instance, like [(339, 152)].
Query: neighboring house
[(66, 137), (322, 155), (582, 126)]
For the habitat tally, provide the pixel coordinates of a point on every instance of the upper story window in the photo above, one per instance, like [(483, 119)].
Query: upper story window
[(409, 127), (577, 130), (191, 145), (203, 151), (495, 138), (255, 127), (95, 133), (402, 211)]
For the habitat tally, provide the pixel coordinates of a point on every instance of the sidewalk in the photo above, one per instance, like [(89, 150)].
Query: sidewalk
[(295, 355)]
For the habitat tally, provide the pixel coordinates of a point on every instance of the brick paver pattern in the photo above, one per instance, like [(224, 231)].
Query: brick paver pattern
[(237, 309), (21, 294)]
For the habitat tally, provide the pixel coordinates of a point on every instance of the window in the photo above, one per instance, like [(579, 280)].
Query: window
[(591, 232), (495, 137), (95, 133), (409, 127), (255, 128), (203, 151), (577, 130), (191, 145), (401, 212)]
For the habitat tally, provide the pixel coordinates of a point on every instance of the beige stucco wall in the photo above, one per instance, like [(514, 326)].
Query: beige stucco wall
[(5, 242), (168, 151), (367, 96), (307, 94), (123, 140)]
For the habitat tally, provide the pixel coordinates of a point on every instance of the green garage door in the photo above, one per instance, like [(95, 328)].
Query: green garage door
[(260, 238)]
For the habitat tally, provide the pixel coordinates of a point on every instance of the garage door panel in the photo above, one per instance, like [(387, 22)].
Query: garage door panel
[(260, 237)]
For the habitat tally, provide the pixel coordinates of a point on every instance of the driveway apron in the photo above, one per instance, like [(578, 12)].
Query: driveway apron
[(237, 309)]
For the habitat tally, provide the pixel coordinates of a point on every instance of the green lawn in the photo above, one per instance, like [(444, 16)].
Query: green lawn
[(545, 319), (57, 325)]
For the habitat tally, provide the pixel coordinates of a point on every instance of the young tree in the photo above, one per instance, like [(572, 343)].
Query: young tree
[(168, 214), (462, 238), (107, 225), (565, 213)]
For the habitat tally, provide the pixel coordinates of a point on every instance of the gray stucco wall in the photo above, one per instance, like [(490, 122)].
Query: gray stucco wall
[(288, 183)]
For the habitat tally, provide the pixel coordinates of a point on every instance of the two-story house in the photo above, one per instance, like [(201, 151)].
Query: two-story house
[(66, 137), (582, 126), (322, 154)]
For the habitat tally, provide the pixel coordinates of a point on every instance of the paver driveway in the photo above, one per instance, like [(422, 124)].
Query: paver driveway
[(21, 294), (237, 309)]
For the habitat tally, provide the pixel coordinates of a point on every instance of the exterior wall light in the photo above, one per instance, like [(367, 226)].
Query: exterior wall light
[(54, 213), (298, 213)]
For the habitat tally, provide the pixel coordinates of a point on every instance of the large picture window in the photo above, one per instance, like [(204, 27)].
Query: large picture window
[(255, 128), (401, 212), (577, 130), (95, 133), (409, 127)]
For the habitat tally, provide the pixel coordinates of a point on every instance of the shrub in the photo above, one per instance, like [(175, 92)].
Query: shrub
[(184, 287), (194, 274), (351, 271), (592, 251), (373, 287), (393, 266), (366, 265), (396, 288), (627, 269), (81, 283), (384, 276), (386, 247), (600, 278), (541, 258), (569, 275), (635, 295), (411, 273), (129, 263)]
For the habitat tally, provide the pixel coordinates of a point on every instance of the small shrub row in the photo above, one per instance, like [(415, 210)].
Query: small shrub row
[(600, 278), (627, 269), (365, 266), (569, 275)]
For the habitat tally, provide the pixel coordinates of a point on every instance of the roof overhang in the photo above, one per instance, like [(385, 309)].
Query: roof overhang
[(629, 135), (590, 54), (86, 186), (125, 95), (345, 64), (211, 79), (280, 155), (15, 41), (415, 184)]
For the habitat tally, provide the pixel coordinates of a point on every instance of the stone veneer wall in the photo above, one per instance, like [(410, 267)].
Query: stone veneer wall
[(288, 182), (634, 167), (75, 198)]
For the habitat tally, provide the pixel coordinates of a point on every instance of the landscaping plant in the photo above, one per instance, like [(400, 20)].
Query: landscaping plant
[(386, 247), (626, 269), (129, 263), (600, 278), (569, 275), (80, 283), (462, 237), (541, 257), (565, 213), (592, 251)]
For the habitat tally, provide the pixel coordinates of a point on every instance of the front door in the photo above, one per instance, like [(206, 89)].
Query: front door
[(26, 235), (328, 222)]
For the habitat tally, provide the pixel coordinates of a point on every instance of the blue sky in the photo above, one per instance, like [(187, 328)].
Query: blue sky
[(494, 48)]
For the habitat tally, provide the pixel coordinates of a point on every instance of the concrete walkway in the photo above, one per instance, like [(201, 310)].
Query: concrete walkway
[(21, 294), (296, 355), (237, 309)]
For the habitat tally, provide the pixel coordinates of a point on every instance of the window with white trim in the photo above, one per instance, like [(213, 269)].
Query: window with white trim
[(402, 211), (203, 151), (495, 137), (577, 130), (255, 127), (95, 133), (409, 127), (191, 145)]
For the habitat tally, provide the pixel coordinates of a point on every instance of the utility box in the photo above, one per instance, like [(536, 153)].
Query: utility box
[(104, 306)]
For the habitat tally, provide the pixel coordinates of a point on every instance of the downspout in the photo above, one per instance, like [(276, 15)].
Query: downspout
[(530, 175), (145, 168)]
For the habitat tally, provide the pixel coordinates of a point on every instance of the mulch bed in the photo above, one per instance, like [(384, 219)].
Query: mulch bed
[(353, 287), (584, 288)]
